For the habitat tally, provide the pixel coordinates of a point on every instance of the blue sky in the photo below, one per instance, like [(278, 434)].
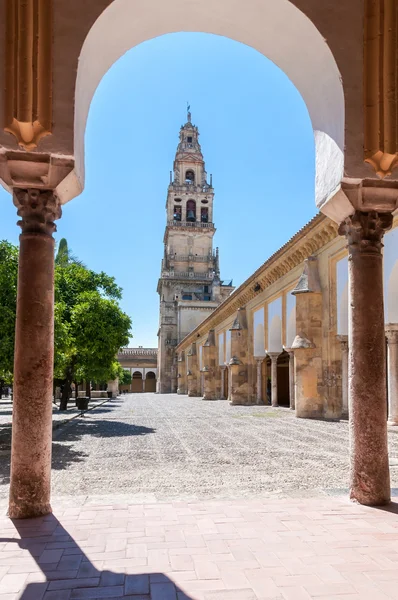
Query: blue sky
[(257, 141)]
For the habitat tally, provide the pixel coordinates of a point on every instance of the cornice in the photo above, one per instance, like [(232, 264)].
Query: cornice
[(307, 241)]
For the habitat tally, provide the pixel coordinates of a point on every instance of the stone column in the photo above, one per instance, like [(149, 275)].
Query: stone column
[(259, 386), (343, 339), (370, 477), (113, 386), (182, 372), (34, 355), (192, 372), (274, 377), (392, 375), (209, 368)]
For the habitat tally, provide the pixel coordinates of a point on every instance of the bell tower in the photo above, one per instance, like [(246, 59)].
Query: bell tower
[(189, 286)]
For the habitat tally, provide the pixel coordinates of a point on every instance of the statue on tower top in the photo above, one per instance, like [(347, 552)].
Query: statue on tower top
[(189, 112)]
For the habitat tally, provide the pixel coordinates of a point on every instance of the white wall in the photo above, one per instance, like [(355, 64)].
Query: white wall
[(275, 326)]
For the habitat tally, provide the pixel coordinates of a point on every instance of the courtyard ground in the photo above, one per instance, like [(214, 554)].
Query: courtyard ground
[(169, 497)]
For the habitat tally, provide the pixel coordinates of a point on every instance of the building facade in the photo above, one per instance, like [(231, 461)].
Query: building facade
[(282, 337), (189, 286), (142, 365)]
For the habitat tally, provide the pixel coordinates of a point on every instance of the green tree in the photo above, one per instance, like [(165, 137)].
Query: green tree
[(125, 378), (91, 325), (8, 307)]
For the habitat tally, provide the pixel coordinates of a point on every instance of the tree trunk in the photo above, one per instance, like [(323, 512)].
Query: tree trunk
[(65, 395), (88, 389), (76, 390)]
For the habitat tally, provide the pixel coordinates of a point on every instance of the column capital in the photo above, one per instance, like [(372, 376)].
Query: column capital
[(364, 231), (38, 209), (259, 359), (392, 333), (273, 355), (343, 339)]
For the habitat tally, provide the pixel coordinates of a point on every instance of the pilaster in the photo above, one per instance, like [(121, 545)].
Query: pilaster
[(209, 368), (241, 392)]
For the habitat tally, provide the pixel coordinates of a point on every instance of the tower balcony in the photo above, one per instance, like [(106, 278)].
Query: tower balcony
[(209, 258), (187, 275), (190, 224)]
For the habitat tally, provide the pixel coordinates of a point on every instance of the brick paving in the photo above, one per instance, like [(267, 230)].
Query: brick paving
[(258, 534), (280, 549)]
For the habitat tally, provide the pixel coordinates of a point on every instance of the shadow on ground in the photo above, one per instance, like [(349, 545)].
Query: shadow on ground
[(63, 454), (69, 572)]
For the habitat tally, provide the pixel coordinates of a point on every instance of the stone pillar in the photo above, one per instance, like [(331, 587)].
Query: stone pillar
[(259, 379), (240, 392), (192, 372), (370, 477), (392, 374), (209, 368), (274, 377), (113, 386), (307, 345), (34, 355), (343, 339), (223, 394), (292, 383), (182, 373)]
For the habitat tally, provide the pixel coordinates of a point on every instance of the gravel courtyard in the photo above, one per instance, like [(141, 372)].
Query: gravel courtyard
[(161, 447)]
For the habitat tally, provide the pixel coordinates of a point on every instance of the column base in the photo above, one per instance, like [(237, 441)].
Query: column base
[(205, 397), (28, 510), (393, 422)]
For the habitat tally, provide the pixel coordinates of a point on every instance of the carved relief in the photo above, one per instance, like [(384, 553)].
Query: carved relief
[(28, 70), (380, 85), (38, 209)]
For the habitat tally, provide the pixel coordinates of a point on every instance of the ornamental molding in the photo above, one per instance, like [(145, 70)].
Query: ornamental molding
[(309, 240), (381, 85), (28, 72)]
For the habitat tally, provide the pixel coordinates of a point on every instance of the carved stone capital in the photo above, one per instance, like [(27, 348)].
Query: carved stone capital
[(364, 231), (392, 333), (38, 210)]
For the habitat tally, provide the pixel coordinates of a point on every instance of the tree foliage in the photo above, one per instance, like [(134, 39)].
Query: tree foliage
[(89, 325), (8, 303)]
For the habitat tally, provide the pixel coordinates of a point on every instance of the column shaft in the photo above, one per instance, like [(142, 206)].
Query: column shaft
[(274, 379), (259, 391), (392, 375), (34, 357), (292, 389), (370, 480)]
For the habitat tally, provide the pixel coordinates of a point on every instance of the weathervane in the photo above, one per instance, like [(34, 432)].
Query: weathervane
[(188, 112)]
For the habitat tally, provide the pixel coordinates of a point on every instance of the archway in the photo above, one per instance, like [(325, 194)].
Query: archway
[(150, 382), (283, 379), (137, 382), (279, 31)]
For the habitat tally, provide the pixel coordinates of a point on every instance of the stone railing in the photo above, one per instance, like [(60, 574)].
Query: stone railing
[(197, 224), (190, 257), (125, 352), (186, 275)]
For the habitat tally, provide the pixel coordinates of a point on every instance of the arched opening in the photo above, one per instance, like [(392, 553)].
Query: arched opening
[(150, 382), (279, 31), (190, 177), (137, 383), (392, 295), (283, 379), (191, 211)]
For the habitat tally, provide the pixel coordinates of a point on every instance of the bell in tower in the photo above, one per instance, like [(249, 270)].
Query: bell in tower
[(191, 211)]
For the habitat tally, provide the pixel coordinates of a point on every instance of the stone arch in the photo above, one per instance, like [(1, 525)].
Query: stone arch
[(278, 30), (137, 382), (150, 381)]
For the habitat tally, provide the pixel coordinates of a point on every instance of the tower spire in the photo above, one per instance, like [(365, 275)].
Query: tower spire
[(188, 112)]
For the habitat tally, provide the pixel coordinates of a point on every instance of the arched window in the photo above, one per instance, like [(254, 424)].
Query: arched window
[(189, 177), (204, 214), (191, 211), (177, 213)]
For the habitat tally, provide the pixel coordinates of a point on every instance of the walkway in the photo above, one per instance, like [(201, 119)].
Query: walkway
[(208, 502)]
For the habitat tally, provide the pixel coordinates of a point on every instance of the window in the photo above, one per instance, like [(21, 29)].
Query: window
[(189, 177), (189, 139), (206, 289), (187, 296), (191, 211), (177, 213), (204, 214), (206, 297)]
